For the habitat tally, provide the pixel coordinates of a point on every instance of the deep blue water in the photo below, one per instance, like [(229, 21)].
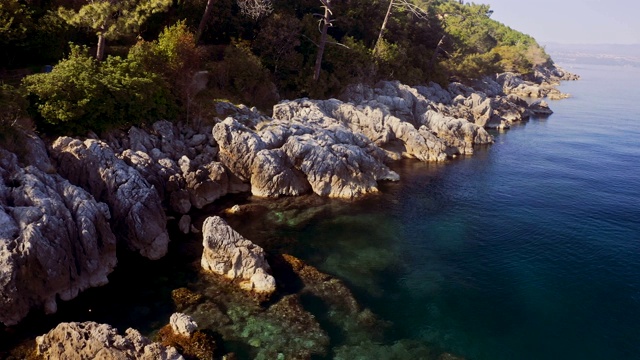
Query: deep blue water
[(530, 249)]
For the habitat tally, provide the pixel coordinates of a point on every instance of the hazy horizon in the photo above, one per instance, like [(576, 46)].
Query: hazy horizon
[(572, 22)]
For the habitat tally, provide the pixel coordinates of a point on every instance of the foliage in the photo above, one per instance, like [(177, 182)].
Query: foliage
[(175, 58), (96, 95), (12, 106), (28, 33), (110, 19), (243, 77), (251, 59), (481, 46), (15, 21)]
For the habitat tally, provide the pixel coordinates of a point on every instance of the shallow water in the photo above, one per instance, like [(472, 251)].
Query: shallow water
[(529, 249)]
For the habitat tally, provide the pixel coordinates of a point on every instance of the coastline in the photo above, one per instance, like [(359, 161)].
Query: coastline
[(201, 184)]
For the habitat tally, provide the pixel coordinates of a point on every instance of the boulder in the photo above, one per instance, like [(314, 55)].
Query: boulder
[(540, 108), (229, 254), (55, 240), (182, 324), (137, 214), (90, 340)]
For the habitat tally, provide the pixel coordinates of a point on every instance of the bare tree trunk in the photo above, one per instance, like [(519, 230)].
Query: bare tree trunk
[(205, 18), (384, 26), (101, 45), (326, 22)]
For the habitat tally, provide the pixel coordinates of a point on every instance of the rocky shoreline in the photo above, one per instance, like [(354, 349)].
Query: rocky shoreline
[(65, 207)]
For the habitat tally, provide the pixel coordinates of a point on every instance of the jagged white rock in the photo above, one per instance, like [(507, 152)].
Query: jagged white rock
[(229, 254), (55, 240), (90, 340), (138, 217)]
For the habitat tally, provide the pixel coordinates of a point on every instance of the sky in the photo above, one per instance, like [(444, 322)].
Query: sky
[(571, 21)]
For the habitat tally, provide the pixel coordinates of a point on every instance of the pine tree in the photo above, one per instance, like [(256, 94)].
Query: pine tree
[(111, 19)]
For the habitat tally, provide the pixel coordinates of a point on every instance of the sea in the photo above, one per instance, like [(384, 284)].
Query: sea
[(528, 249)]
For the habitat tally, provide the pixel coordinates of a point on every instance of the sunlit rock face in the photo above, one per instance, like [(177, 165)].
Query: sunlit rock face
[(90, 340), (137, 214), (179, 160), (291, 157), (229, 254), (55, 239)]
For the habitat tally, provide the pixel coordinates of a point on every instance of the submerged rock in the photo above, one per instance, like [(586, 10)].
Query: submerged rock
[(138, 216), (55, 240), (90, 340), (229, 254)]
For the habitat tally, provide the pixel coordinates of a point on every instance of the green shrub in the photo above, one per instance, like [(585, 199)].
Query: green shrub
[(81, 94)]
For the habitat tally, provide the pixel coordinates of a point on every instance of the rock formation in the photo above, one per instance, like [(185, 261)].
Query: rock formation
[(90, 340), (137, 214), (289, 157), (178, 160), (55, 239), (182, 324), (229, 254)]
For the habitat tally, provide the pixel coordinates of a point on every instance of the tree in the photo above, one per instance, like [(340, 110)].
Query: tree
[(324, 24), (175, 57), (254, 9), (111, 19), (82, 94), (401, 4)]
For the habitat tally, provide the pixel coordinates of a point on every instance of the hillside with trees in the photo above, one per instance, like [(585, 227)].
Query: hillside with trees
[(142, 55)]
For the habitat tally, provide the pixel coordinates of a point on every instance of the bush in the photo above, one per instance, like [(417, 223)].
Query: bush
[(242, 77), (12, 106), (81, 94)]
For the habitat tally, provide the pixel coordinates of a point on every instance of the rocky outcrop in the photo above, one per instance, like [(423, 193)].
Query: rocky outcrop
[(182, 324), (229, 254), (55, 240), (90, 340), (289, 157), (374, 121), (179, 160), (137, 214), (540, 84)]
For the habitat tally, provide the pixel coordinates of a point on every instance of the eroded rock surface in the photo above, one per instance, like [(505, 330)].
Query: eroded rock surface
[(55, 240), (229, 254), (289, 157), (90, 340), (182, 324), (137, 214), (179, 160)]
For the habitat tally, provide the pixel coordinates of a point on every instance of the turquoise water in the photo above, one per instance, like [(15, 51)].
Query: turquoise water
[(530, 249)]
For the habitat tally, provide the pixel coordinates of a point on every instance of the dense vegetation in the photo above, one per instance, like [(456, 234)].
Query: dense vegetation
[(136, 61)]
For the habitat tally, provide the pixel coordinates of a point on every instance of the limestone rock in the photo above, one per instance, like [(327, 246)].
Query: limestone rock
[(178, 160), (459, 134), (138, 217), (289, 156), (55, 240), (182, 324), (540, 108), (451, 134), (229, 254), (90, 340)]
